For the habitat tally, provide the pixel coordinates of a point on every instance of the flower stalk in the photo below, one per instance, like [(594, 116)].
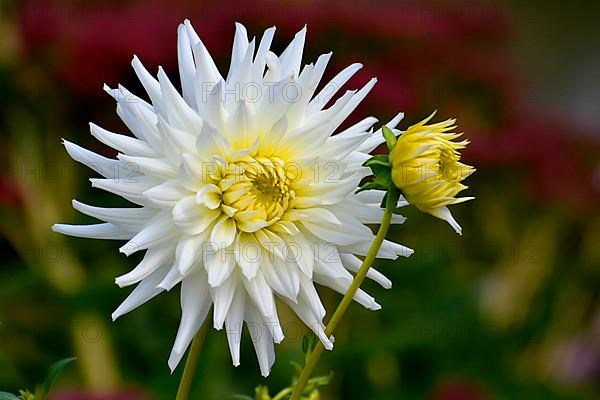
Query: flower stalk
[(191, 364)]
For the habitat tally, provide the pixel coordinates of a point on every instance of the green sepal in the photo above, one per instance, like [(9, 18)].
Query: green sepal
[(390, 138), (8, 396), (382, 173), (379, 159), (390, 199)]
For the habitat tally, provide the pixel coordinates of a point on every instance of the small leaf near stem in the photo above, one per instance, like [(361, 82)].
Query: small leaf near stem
[(55, 370)]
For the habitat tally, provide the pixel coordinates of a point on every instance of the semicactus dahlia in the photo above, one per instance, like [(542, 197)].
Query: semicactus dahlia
[(244, 192)]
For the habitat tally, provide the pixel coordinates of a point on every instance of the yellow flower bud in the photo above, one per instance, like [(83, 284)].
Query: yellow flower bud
[(426, 167)]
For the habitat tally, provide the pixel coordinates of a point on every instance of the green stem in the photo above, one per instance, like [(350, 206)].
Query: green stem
[(191, 364), (282, 394), (314, 356)]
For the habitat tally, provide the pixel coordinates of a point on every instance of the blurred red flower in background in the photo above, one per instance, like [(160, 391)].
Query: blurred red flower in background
[(432, 55)]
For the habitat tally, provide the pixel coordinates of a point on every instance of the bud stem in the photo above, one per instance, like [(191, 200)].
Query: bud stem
[(313, 358)]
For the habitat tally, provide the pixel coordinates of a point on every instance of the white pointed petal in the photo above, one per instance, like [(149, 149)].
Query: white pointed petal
[(341, 286), (239, 124), (261, 339), (167, 193), (143, 292), (158, 231), (240, 76), (179, 114), (209, 196), (96, 231), (258, 68), (193, 217), (122, 143), (327, 193), (298, 250), (282, 276), (248, 254), (260, 292), (111, 169), (309, 298), (331, 88), (172, 279), (187, 68), (157, 167), (445, 214), (315, 214), (131, 189), (340, 235), (222, 297), (195, 303), (389, 250), (291, 58), (234, 323), (239, 49), (311, 321), (377, 138), (353, 103), (353, 263), (219, 264), (153, 259), (128, 218), (202, 57), (179, 140), (148, 81), (223, 233), (188, 252), (209, 97)]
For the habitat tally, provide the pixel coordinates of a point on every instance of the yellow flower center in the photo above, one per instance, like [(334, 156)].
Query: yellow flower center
[(256, 191)]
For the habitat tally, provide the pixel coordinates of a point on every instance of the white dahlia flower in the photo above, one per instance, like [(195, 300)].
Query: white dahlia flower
[(244, 191)]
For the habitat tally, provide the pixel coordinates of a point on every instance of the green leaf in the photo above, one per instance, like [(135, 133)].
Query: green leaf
[(8, 396), (309, 342), (241, 397), (390, 138), (55, 370)]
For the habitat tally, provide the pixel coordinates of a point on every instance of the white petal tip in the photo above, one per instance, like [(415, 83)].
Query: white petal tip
[(121, 283), (218, 325)]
